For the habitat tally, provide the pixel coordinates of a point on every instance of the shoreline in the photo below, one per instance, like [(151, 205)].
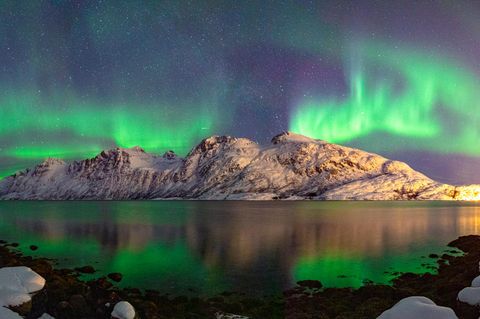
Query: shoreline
[(67, 296)]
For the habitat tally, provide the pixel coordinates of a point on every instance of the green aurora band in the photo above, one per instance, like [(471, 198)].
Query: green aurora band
[(421, 101), (402, 100), (91, 127), (126, 128)]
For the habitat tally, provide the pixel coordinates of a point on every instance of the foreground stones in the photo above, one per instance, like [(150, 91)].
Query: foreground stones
[(220, 315), (421, 307), (6, 313), (16, 285), (65, 295), (370, 301), (470, 295), (417, 307), (123, 310), (21, 279)]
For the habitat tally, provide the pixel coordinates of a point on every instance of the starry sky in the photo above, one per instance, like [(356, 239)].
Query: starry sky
[(399, 78)]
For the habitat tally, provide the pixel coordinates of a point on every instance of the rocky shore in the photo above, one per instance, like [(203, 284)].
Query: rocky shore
[(65, 295)]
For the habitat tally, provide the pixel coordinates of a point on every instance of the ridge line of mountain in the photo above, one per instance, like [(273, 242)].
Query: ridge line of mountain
[(293, 166)]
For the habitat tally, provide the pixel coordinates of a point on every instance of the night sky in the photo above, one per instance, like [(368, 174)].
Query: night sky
[(400, 78)]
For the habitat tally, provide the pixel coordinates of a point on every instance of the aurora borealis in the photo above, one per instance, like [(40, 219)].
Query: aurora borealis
[(399, 79), (405, 103)]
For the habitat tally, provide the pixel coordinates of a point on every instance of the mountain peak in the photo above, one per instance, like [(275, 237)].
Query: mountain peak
[(210, 143), (51, 161), (122, 150), (136, 149), (288, 136), (169, 155), (129, 150)]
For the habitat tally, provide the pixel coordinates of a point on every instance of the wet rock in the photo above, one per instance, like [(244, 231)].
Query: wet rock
[(447, 257), (39, 303), (216, 299), (42, 267), (86, 269), (466, 243), (100, 312), (78, 303), (221, 315), (102, 283), (23, 309), (373, 291), (64, 310), (149, 309), (116, 276), (113, 296), (133, 291), (312, 284), (152, 295)]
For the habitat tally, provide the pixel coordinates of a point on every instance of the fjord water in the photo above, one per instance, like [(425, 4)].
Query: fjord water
[(205, 248)]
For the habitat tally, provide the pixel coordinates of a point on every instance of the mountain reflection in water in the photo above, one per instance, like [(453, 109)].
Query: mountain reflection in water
[(261, 247)]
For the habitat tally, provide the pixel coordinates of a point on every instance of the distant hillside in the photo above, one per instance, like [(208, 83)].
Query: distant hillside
[(224, 167)]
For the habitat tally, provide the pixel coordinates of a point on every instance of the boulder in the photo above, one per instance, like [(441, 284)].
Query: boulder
[(417, 307)]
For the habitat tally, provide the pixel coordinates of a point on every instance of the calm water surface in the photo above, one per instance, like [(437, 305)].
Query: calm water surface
[(254, 247)]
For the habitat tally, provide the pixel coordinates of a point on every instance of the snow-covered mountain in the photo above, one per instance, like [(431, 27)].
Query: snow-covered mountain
[(224, 167)]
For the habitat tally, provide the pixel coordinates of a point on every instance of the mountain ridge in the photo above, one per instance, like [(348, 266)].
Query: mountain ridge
[(293, 166)]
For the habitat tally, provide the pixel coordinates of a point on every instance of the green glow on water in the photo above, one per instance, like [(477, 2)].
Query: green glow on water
[(401, 92), (330, 269), (160, 265), (150, 265), (337, 269), (176, 245)]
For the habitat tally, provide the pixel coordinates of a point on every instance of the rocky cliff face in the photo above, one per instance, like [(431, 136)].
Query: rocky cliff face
[(223, 167)]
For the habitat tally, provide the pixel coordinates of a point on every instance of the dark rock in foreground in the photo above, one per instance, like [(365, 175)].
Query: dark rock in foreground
[(117, 277), (85, 269)]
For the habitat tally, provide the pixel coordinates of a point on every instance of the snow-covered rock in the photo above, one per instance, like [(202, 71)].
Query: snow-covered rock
[(9, 297), (222, 315), (417, 307), (6, 313), (476, 282), (470, 295), (16, 284), (223, 167), (20, 279), (123, 310), (470, 192)]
